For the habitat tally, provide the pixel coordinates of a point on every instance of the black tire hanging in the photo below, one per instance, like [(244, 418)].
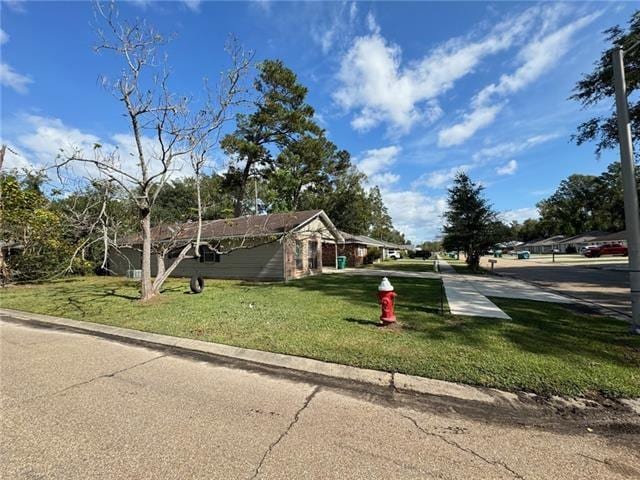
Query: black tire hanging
[(196, 284)]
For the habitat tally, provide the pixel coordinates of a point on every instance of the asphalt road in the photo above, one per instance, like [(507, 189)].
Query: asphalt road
[(600, 284), (76, 406)]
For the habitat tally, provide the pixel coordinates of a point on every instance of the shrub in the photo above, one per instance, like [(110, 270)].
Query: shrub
[(373, 254)]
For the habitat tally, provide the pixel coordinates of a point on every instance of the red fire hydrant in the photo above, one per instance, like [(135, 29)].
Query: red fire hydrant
[(386, 296)]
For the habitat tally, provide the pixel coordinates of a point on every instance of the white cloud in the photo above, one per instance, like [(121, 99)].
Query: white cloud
[(508, 169), (264, 5), (376, 160), (470, 124), (372, 25), (386, 178), (41, 140), (337, 28), (508, 149), (141, 3), (45, 137), (8, 76), (537, 57), (519, 214), (353, 12), (418, 216), (16, 5), (15, 158), (374, 82), (193, 5), (439, 178)]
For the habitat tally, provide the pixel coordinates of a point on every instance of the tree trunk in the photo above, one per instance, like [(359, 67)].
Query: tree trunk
[(199, 198), (159, 265), (146, 286), (161, 277)]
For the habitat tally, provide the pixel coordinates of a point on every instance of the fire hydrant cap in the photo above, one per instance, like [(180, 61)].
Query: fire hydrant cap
[(385, 285)]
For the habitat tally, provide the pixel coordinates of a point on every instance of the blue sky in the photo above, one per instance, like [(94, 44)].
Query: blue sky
[(415, 91)]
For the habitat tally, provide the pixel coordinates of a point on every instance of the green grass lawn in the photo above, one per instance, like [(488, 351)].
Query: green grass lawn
[(460, 266), (545, 349), (403, 265)]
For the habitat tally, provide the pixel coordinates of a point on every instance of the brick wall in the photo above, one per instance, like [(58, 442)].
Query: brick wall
[(291, 270), (354, 252), (329, 255)]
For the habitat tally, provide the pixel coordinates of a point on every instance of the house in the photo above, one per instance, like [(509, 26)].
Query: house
[(354, 247), (273, 247), (390, 250), (546, 245), (581, 241), (617, 237)]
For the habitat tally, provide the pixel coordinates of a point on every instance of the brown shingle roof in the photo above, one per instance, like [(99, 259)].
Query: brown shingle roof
[(247, 226)]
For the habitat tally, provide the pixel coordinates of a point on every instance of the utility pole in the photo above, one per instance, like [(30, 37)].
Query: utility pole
[(631, 213), (255, 191)]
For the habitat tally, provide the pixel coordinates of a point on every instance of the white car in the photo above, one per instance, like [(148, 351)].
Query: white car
[(394, 254)]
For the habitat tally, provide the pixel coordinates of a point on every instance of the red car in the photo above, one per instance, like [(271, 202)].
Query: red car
[(609, 249)]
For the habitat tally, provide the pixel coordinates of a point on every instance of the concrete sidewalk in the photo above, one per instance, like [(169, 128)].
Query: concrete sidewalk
[(501, 287), (464, 298)]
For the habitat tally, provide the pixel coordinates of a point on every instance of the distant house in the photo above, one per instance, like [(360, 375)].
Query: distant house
[(617, 237), (274, 247), (581, 241), (354, 247), (547, 245)]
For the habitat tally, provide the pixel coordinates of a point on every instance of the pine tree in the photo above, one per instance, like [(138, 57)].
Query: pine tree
[(471, 224)]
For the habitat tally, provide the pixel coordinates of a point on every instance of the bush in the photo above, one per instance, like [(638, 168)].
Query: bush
[(373, 254), (571, 249)]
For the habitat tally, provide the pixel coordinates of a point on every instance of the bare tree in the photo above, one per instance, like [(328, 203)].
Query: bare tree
[(166, 128)]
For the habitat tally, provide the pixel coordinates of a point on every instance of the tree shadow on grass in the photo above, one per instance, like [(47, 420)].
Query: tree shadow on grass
[(427, 266), (552, 329), (413, 293), (361, 321), (113, 292), (536, 327)]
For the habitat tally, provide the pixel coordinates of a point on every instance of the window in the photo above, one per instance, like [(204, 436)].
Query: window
[(208, 256), (361, 251), (298, 254), (313, 255)]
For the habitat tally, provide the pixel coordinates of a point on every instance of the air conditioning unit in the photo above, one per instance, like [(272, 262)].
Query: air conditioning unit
[(134, 274)]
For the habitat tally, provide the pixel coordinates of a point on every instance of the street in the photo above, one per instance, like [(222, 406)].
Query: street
[(606, 285), (76, 406)]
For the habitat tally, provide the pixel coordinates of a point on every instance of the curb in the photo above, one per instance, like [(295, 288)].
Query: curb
[(325, 372), (305, 369)]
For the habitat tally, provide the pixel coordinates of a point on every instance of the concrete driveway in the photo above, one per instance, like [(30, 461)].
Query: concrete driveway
[(605, 284), (76, 406)]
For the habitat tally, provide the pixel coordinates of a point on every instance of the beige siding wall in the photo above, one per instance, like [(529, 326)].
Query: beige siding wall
[(314, 228), (263, 262)]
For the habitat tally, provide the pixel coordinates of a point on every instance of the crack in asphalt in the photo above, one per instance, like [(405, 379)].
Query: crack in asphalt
[(495, 463), (377, 456), (98, 377), (296, 417)]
